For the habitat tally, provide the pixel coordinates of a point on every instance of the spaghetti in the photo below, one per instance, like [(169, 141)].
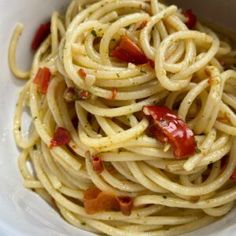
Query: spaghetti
[(104, 89)]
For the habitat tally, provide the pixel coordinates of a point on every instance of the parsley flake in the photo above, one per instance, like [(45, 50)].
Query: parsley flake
[(94, 33)]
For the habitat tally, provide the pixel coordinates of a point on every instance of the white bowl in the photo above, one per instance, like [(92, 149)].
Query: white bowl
[(21, 211)]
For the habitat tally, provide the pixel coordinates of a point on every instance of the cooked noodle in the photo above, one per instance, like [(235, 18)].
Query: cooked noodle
[(171, 196)]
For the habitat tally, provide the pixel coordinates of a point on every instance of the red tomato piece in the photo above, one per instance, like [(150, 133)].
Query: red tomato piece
[(129, 51), (42, 79), (97, 201), (167, 127), (40, 35), (126, 205), (191, 18), (91, 193)]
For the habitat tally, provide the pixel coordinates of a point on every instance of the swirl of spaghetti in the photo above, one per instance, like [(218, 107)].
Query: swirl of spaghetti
[(101, 154)]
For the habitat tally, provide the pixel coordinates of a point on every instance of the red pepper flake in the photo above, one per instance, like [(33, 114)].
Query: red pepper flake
[(141, 25), (72, 94), (191, 18), (82, 73), (126, 205), (113, 94), (129, 51), (40, 35), (42, 79), (167, 127), (97, 164), (61, 137), (84, 95)]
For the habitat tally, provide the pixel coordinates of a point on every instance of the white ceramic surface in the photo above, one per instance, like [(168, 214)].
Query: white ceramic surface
[(21, 211)]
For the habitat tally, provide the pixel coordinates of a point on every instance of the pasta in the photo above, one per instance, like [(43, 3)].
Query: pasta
[(91, 107)]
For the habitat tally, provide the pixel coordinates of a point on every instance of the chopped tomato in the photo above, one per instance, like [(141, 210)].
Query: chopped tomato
[(42, 79), (41, 34), (97, 201), (91, 193), (61, 137), (167, 127), (82, 73), (129, 51), (191, 19), (126, 205), (97, 164)]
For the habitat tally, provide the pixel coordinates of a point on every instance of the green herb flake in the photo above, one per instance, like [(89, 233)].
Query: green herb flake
[(118, 75), (197, 150), (83, 223), (19, 128), (165, 197), (94, 33)]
